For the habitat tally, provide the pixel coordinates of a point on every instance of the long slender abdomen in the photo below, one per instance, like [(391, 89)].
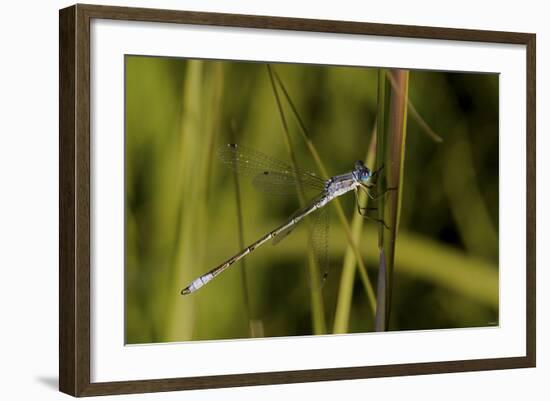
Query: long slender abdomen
[(207, 277)]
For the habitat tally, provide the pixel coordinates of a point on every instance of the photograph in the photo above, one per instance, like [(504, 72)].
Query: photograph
[(270, 200)]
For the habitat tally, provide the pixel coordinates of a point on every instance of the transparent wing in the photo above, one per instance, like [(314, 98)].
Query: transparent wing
[(319, 237), (283, 234), (269, 175), (318, 226), (277, 183)]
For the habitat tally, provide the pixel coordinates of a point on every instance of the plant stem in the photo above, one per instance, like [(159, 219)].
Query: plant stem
[(241, 243), (345, 292), (391, 134), (337, 204), (317, 307)]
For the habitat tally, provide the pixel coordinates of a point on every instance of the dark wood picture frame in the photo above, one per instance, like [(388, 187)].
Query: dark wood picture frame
[(74, 199)]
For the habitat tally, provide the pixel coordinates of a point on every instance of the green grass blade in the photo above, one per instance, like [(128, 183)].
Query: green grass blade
[(255, 327), (414, 112), (468, 207), (381, 294), (420, 258), (391, 137), (317, 306), (200, 126), (337, 204), (186, 252), (345, 291)]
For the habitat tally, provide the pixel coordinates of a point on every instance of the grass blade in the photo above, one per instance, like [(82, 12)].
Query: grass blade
[(468, 208), (187, 254), (467, 276), (317, 307), (381, 294), (201, 113), (414, 113), (253, 325), (337, 204), (345, 292), (391, 137)]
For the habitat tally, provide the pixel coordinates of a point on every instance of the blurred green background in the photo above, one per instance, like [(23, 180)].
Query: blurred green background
[(181, 209)]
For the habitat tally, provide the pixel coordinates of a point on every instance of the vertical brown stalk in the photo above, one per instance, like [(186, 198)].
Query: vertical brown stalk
[(391, 135)]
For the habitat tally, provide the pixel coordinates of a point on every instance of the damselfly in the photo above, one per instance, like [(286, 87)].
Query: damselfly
[(278, 177)]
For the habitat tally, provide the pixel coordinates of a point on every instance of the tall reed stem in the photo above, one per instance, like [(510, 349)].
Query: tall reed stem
[(391, 137)]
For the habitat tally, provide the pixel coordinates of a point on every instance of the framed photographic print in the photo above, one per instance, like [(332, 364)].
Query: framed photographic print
[(393, 168)]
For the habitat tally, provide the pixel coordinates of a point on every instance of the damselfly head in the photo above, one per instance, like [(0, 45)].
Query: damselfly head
[(362, 172)]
